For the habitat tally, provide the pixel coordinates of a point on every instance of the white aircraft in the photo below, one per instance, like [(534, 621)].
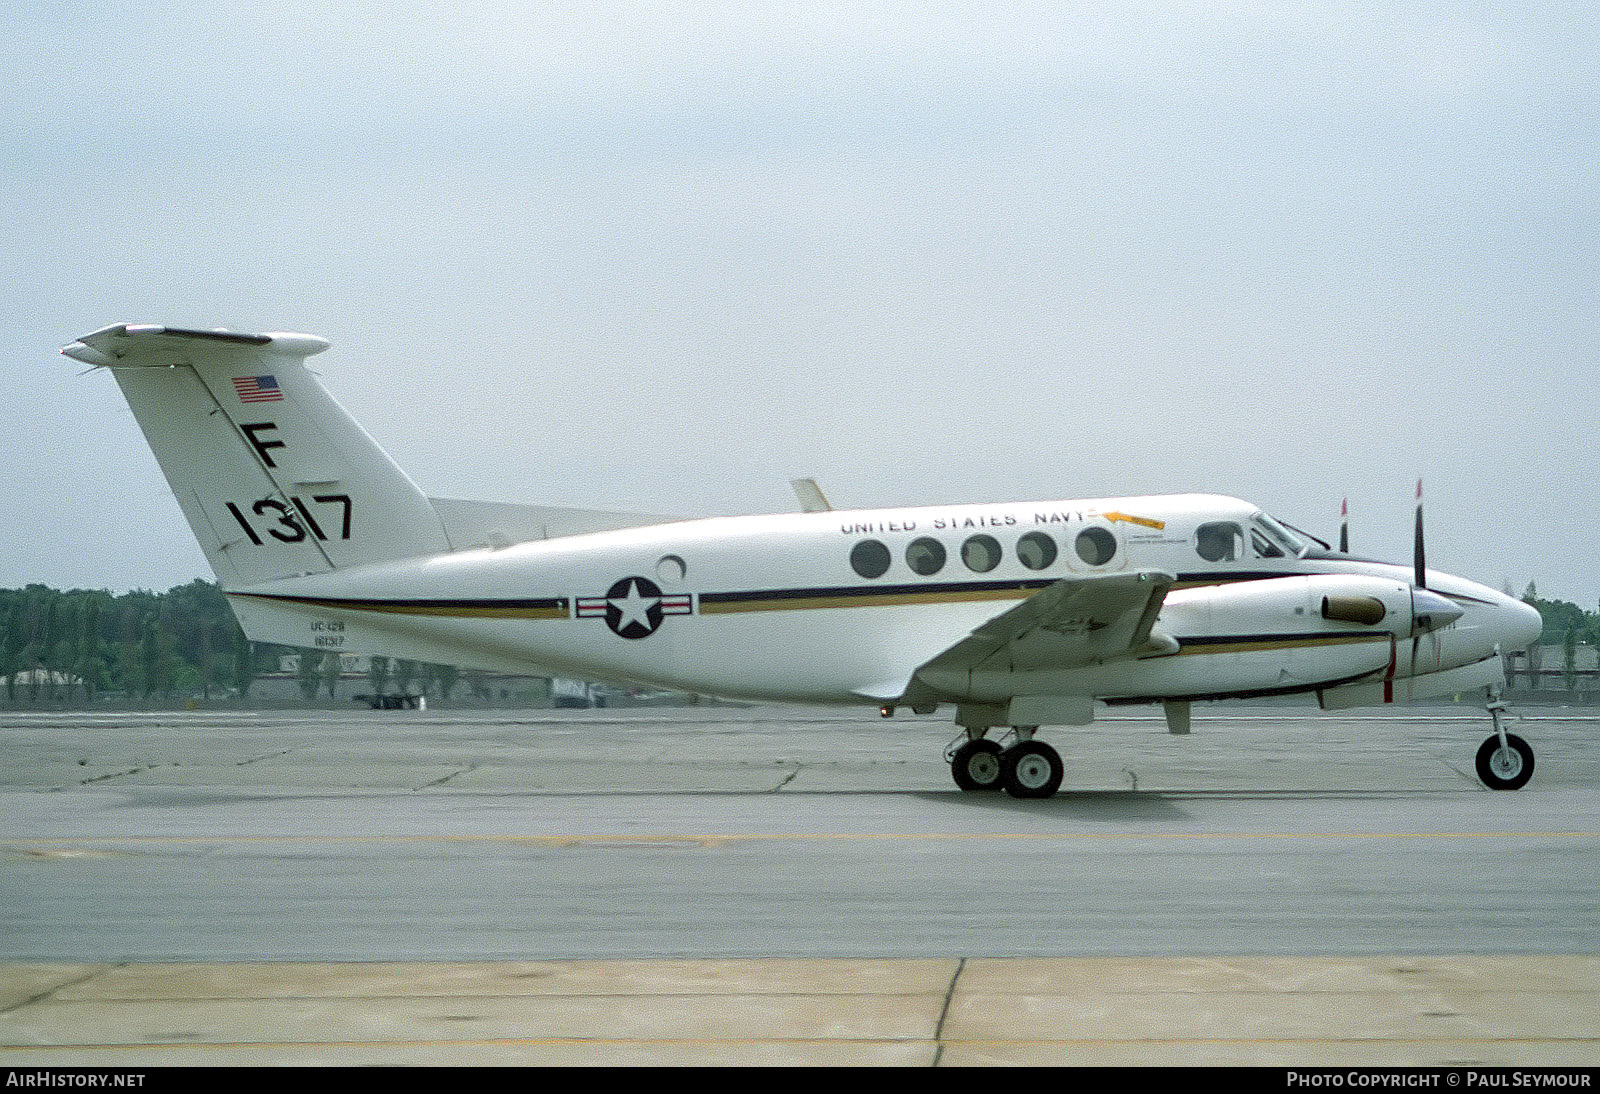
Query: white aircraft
[(1017, 615)]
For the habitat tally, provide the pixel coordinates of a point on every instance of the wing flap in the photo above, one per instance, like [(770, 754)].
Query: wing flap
[(1073, 622)]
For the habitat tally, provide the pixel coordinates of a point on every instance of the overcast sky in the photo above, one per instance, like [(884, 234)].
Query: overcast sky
[(668, 256)]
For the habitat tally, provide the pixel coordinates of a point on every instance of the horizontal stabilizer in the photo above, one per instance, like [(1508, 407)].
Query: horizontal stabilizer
[(470, 524), (147, 344)]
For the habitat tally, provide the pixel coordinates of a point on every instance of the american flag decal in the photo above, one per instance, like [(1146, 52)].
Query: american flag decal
[(257, 389)]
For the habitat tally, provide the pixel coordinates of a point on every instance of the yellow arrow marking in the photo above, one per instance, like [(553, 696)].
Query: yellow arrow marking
[(1146, 521)]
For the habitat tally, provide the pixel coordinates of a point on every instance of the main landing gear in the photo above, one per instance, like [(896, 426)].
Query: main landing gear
[(1505, 761), (1028, 769)]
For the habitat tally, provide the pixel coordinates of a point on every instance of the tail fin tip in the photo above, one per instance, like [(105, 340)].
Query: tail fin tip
[(126, 344)]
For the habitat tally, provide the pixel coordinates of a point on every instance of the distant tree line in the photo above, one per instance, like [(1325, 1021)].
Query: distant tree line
[(84, 644), (385, 676), (1564, 622), (1566, 626), (81, 643)]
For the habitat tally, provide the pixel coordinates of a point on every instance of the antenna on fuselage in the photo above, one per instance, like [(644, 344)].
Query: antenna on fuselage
[(810, 496), (1344, 527)]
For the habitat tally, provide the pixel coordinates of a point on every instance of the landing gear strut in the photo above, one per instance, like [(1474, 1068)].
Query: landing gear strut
[(1505, 761)]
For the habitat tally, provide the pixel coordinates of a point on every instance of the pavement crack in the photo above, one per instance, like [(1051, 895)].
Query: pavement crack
[(789, 778), (944, 1012), (446, 778), (263, 756), (122, 774), (41, 996)]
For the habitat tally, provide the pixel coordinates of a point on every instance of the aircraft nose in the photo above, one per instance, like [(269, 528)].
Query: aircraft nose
[(1523, 625)]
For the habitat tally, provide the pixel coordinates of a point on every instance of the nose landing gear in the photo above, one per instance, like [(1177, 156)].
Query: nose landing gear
[(1505, 761)]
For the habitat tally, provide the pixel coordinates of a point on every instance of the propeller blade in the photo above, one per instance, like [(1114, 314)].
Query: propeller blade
[(1420, 578), (1344, 527)]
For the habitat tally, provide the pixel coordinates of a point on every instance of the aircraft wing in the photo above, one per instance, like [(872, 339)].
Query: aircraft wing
[(1075, 621)]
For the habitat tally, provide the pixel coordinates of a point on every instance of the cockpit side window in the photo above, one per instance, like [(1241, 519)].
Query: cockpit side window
[(1219, 541), (1274, 540), (1263, 546)]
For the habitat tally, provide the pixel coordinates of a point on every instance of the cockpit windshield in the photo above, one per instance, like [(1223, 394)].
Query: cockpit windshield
[(1272, 540)]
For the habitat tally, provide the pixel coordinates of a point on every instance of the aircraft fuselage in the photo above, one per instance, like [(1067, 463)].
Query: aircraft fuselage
[(845, 606)]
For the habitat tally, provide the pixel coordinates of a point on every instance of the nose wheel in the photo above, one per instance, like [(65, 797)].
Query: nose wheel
[(1505, 766), (1505, 761)]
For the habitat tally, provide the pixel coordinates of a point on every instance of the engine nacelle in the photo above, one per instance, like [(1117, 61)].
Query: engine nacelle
[(1308, 608), (1286, 633)]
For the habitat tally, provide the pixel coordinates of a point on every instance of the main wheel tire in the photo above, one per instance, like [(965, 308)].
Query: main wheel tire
[(1031, 769), (976, 765), (1507, 768)]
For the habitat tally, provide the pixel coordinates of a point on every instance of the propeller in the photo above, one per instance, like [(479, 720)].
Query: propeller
[(1429, 610), (1420, 579), (1420, 622)]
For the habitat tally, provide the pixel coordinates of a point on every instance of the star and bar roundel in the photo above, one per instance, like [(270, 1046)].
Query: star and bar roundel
[(634, 607)]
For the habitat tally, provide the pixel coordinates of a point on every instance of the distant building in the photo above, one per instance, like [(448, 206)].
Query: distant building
[(43, 678), (350, 664)]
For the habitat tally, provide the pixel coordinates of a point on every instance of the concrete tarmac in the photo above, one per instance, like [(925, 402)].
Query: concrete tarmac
[(774, 886)]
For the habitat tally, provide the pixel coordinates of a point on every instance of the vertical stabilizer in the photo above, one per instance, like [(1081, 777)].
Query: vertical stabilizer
[(275, 478)]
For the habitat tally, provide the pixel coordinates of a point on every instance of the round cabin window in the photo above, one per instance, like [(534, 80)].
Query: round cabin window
[(1096, 546), (1036, 550), (981, 553), (925, 556), (870, 558)]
